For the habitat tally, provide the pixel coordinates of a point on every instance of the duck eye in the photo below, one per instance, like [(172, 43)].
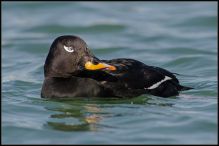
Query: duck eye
[(68, 49)]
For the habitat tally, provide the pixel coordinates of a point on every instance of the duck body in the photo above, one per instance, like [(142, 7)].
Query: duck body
[(136, 75), (121, 77)]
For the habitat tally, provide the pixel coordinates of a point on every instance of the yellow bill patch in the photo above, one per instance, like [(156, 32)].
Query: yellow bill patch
[(90, 66)]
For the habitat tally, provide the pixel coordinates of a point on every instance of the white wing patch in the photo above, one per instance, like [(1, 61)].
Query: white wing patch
[(158, 83), (68, 49)]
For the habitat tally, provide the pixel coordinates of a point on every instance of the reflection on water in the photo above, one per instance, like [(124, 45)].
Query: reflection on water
[(83, 118), (86, 115)]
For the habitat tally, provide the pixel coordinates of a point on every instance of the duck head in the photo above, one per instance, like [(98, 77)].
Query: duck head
[(69, 55)]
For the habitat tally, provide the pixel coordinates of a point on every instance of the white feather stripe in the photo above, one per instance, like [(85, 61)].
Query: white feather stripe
[(158, 83)]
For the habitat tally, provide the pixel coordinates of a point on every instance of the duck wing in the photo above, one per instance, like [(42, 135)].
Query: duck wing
[(135, 75)]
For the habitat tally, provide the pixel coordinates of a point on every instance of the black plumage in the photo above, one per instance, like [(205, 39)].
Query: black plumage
[(71, 70)]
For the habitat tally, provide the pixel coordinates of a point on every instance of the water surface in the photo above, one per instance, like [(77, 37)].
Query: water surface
[(178, 36)]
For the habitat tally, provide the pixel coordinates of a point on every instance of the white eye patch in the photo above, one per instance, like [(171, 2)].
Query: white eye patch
[(68, 49)]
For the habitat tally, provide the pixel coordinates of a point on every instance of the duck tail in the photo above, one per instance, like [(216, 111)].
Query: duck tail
[(183, 88)]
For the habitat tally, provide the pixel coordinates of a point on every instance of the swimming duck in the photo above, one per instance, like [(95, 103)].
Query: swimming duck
[(71, 70)]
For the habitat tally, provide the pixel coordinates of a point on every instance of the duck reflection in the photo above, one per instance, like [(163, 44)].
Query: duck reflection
[(83, 115), (75, 118)]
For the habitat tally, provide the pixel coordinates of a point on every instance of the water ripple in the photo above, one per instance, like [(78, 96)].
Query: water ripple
[(178, 36)]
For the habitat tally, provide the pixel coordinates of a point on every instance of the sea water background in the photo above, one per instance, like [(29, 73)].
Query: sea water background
[(178, 36)]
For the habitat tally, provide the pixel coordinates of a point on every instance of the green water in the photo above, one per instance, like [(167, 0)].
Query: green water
[(178, 36)]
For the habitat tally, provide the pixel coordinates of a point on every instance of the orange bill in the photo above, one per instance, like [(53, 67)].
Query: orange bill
[(90, 66)]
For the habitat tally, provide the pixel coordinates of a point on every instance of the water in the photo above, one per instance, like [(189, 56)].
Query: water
[(178, 36)]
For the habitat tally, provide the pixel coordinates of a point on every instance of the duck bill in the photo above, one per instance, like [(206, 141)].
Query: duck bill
[(99, 66)]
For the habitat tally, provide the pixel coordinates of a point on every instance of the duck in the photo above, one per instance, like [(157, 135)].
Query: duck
[(72, 70)]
